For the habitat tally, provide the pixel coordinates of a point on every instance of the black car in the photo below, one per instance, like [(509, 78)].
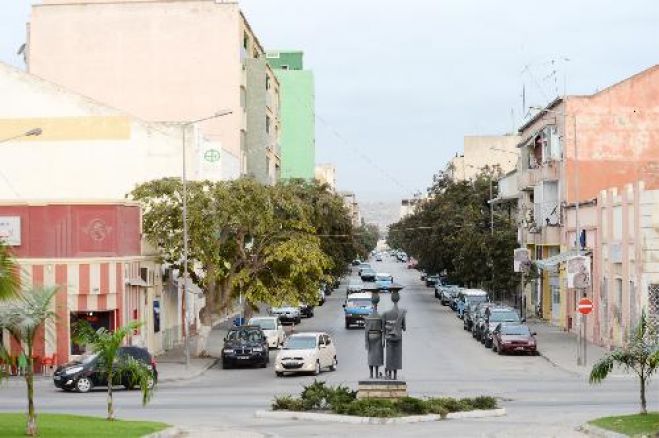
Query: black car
[(87, 371), (306, 310), (245, 345), (432, 280)]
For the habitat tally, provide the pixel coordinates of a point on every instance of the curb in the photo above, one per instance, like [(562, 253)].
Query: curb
[(170, 432), (349, 419), (595, 431), (201, 372)]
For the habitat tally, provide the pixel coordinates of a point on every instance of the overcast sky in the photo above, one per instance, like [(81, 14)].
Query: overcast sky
[(398, 84)]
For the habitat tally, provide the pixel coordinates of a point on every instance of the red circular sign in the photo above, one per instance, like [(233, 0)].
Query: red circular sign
[(585, 306)]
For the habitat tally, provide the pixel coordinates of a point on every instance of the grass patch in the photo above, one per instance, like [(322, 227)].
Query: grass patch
[(631, 425), (341, 400), (73, 426)]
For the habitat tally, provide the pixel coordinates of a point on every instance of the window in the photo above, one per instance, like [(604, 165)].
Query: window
[(618, 310), (245, 41), (284, 67), (267, 82), (267, 124)]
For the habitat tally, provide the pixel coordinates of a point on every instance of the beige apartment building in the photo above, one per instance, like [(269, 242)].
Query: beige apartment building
[(326, 174), (481, 151), (180, 60)]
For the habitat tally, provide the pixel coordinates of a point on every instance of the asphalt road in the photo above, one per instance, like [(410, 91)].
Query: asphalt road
[(440, 359)]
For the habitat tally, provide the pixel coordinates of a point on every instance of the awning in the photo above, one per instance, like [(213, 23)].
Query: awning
[(553, 261), (137, 282)]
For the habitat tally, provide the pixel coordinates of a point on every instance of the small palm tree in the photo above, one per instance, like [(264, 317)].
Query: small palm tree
[(106, 344), (640, 354), (21, 317), (9, 278)]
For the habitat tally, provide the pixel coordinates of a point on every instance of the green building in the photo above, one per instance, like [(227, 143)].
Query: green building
[(297, 112)]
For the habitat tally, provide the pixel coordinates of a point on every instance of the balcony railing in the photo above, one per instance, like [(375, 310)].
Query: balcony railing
[(531, 177)]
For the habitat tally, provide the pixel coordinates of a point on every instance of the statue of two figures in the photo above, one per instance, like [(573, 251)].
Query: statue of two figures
[(385, 333)]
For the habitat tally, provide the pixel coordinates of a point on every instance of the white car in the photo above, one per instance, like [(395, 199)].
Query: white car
[(287, 313), (272, 329), (306, 353)]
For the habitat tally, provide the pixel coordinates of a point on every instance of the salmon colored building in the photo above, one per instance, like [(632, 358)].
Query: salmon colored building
[(93, 254)]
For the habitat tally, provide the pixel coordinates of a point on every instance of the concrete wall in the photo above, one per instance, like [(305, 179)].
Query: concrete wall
[(257, 139), (485, 150)]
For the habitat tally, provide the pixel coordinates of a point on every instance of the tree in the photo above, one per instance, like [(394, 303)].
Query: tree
[(640, 354), (366, 239), (22, 316), (106, 344), (9, 274)]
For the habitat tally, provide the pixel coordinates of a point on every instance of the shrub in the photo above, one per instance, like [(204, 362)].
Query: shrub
[(449, 404), (340, 395), (369, 408), (482, 402), (320, 396), (412, 406), (288, 403)]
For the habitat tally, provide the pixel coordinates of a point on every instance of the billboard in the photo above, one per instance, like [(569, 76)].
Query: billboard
[(578, 272)]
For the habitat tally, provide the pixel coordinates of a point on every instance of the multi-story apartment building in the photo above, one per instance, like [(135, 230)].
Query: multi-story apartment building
[(326, 174), (179, 60), (298, 137), (351, 204), (483, 151)]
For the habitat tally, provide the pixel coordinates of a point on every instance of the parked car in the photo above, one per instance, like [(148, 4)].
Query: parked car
[(383, 280), (467, 296), (306, 352), (363, 266), (478, 327), (495, 316), (321, 296), (245, 345), (514, 338), (272, 329), (87, 371), (285, 313), (431, 280), (378, 257), (446, 293), (354, 286), (356, 307), (423, 275), (306, 310), (356, 262), (471, 302), (368, 275)]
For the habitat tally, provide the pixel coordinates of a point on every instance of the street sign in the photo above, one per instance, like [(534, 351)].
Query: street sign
[(585, 306)]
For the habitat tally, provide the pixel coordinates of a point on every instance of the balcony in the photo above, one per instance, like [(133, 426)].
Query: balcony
[(529, 178)]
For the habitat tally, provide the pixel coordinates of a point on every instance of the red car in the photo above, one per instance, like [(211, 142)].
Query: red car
[(514, 338)]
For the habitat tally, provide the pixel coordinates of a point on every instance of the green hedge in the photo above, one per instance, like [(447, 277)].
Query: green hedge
[(341, 400)]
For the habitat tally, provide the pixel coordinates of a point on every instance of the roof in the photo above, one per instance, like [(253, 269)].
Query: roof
[(474, 292), (306, 334), (540, 114), (365, 295)]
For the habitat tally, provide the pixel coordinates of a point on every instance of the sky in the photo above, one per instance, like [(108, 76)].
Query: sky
[(399, 84)]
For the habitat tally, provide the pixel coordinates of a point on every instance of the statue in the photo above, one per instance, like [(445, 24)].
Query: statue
[(393, 321), (374, 337)]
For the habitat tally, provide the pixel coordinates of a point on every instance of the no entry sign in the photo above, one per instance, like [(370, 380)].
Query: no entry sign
[(585, 306)]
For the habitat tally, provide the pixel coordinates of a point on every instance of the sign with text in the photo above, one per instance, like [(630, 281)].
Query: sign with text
[(10, 230), (578, 272)]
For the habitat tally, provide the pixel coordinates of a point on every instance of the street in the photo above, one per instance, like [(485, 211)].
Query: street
[(440, 359)]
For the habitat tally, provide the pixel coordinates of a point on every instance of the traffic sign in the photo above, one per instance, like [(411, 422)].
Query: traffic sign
[(585, 306)]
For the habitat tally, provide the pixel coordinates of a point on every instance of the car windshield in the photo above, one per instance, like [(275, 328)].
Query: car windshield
[(475, 299), (515, 330), (384, 278), (265, 324), (504, 316), (300, 343), (363, 302), (244, 335)]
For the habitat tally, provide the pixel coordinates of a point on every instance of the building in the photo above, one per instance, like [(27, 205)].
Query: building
[(297, 95), (570, 151), (351, 204), (481, 152), (410, 206), (326, 174), (93, 252), (174, 61)]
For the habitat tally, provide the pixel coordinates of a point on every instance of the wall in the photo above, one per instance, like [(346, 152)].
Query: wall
[(291, 60), (478, 153), (161, 61), (256, 138)]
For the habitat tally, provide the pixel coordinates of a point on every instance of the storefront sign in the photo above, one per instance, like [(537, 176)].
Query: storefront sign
[(10, 230)]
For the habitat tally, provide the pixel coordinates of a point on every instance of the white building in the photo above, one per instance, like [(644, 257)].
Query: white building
[(481, 151)]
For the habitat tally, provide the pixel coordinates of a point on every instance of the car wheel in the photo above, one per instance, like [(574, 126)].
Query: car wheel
[(499, 352), (298, 320), (84, 384), (316, 371), (334, 364), (488, 344), (473, 334), (263, 364), (225, 365), (494, 348), (279, 373), (347, 325)]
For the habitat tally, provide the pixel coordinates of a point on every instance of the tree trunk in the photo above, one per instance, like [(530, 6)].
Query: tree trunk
[(248, 310), (644, 404), (110, 402), (29, 380)]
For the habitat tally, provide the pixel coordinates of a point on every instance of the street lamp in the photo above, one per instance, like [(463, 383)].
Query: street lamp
[(35, 132), (184, 181)]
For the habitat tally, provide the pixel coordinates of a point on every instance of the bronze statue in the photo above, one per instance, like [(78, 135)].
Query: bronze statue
[(393, 322), (374, 338)]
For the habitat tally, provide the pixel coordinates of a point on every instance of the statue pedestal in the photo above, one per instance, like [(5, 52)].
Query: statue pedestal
[(380, 388)]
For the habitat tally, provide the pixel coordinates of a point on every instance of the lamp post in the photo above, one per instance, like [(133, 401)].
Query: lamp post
[(184, 181)]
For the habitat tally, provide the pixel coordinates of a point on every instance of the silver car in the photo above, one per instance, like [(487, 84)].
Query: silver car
[(290, 314)]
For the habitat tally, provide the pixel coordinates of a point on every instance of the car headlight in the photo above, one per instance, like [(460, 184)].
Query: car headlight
[(228, 350), (257, 349), (73, 370)]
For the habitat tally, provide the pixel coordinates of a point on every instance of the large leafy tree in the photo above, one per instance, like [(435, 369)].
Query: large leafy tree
[(106, 344), (22, 316), (9, 273), (640, 354)]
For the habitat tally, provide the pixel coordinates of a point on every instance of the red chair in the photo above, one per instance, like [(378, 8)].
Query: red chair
[(48, 362)]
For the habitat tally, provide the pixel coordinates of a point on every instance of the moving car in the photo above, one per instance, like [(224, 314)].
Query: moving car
[(368, 274), (287, 313), (245, 345), (383, 280), (272, 329), (363, 266), (513, 338), (495, 316), (85, 372), (354, 286), (306, 352), (356, 308), (378, 257)]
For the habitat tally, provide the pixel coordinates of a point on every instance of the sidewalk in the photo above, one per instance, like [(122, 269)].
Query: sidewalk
[(560, 348), (171, 364)]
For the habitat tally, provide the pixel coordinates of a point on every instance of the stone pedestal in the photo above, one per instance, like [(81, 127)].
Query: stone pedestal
[(379, 388)]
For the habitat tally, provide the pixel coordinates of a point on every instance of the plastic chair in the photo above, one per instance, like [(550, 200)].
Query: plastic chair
[(48, 363)]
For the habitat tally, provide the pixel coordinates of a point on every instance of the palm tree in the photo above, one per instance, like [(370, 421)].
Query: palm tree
[(640, 354), (106, 344), (22, 316), (9, 278)]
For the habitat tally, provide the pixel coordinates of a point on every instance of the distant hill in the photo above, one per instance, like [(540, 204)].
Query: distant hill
[(380, 213)]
